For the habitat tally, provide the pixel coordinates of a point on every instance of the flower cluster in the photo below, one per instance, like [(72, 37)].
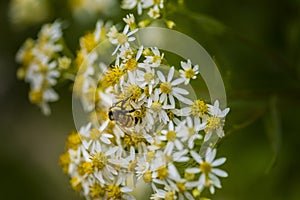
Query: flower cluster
[(42, 62), (144, 125), (154, 7)]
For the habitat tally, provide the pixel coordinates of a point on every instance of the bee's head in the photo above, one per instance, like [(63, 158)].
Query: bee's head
[(110, 115)]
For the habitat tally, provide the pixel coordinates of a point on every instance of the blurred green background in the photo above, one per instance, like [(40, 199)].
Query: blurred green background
[(256, 45)]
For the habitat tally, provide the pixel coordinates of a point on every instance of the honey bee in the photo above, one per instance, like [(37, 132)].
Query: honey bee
[(123, 114)]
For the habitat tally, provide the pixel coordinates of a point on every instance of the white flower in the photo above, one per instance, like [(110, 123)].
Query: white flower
[(209, 172), (93, 137), (147, 78), (188, 71), (188, 131), (156, 110), (169, 89), (154, 12), (153, 61), (170, 136), (130, 20), (130, 4), (121, 39), (215, 122)]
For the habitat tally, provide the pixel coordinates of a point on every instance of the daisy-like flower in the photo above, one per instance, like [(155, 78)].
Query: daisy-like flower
[(130, 20), (188, 131), (153, 60), (207, 168), (93, 137), (154, 12), (121, 39), (130, 4), (156, 109), (170, 136), (147, 79), (197, 108), (188, 71), (169, 89), (216, 120)]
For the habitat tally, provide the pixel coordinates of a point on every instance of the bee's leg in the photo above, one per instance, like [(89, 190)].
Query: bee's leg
[(131, 111)]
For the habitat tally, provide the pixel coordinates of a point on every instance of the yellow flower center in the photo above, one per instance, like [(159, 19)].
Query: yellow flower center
[(64, 161), (96, 191), (199, 108), (122, 38), (156, 106), (148, 76), (170, 196), (133, 140), (76, 185), (166, 87), (112, 76), (36, 96), (205, 167), (88, 42), (95, 134), (213, 123), (181, 187), (156, 59), (171, 136), (85, 168), (131, 64), (189, 176), (99, 160), (114, 192), (162, 172), (189, 73), (73, 141), (147, 176)]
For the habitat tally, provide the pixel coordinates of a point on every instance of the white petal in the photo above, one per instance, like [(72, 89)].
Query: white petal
[(218, 162), (220, 172), (170, 74), (196, 156), (161, 76)]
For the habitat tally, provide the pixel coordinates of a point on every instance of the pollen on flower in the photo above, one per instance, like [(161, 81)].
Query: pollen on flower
[(189, 176), (205, 167), (95, 134), (165, 87), (156, 106), (122, 38), (199, 108), (114, 192), (99, 160), (36, 96), (88, 42), (133, 140), (213, 123), (64, 161), (76, 184), (148, 76), (130, 64), (85, 168), (181, 187), (73, 141), (147, 177), (171, 136), (113, 75), (162, 172), (189, 73), (96, 191), (170, 195)]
